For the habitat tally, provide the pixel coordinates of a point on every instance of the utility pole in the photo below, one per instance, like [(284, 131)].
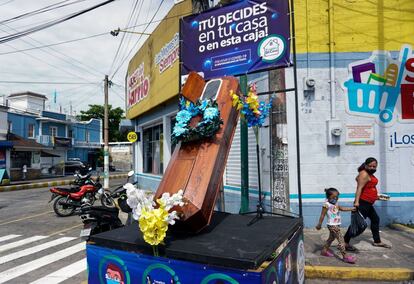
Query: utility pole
[(106, 134)]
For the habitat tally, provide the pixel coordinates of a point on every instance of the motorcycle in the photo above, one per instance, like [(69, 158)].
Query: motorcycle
[(98, 219), (68, 199), (110, 199)]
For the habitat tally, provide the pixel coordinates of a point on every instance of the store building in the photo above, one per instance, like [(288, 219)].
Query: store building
[(341, 123)]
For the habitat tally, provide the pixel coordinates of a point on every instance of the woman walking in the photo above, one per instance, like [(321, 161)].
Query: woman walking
[(365, 197)]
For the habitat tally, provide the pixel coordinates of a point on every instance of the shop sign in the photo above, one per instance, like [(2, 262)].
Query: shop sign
[(62, 142), (138, 86), (132, 137), (168, 54), (153, 72), (382, 87), (359, 134), (239, 38)]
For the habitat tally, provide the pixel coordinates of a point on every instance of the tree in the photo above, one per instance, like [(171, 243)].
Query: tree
[(115, 116)]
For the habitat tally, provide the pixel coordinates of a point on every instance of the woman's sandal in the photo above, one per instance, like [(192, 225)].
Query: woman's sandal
[(350, 248), (382, 245), (349, 259), (328, 253)]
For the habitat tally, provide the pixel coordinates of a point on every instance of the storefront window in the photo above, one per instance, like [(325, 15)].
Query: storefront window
[(153, 150), (173, 120), (18, 159)]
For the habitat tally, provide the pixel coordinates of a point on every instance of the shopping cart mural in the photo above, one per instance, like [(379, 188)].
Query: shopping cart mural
[(382, 87)]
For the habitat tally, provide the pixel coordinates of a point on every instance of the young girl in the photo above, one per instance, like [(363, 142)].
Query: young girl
[(331, 209)]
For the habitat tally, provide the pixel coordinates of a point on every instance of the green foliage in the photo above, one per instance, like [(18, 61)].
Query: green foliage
[(115, 116)]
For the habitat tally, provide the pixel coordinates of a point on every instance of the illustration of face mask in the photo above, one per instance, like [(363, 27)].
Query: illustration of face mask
[(332, 201), (111, 281)]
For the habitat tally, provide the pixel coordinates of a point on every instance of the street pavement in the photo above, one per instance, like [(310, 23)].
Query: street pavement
[(36, 246)]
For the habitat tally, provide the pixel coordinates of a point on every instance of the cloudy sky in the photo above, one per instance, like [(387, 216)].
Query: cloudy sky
[(82, 63)]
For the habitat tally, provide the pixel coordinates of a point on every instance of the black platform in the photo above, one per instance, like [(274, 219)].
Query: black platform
[(228, 241)]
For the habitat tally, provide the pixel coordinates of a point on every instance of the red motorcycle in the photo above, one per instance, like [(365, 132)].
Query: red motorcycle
[(69, 200)]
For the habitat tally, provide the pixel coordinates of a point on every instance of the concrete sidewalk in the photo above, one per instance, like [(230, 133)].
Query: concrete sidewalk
[(373, 263), (20, 185)]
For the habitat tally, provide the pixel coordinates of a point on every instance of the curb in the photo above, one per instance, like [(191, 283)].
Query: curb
[(47, 184), (400, 227), (358, 273)]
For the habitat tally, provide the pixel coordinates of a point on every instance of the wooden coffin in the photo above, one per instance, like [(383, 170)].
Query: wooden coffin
[(197, 167)]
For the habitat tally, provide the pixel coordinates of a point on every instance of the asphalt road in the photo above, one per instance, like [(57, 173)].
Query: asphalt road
[(37, 246)]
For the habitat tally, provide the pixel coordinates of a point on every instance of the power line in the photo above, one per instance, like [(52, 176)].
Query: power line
[(51, 23), (119, 66), (54, 44), (47, 63), (123, 35), (87, 37), (45, 82), (67, 61), (40, 11), (7, 2)]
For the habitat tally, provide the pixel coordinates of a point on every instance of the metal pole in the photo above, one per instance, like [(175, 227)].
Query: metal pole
[(244, 154), (295, 77), (106, 127)]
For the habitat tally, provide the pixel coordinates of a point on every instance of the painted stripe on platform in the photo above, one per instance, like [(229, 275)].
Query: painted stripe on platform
[(21, 242), (34, 249), (63, 274), (8, 237), (37, 263)]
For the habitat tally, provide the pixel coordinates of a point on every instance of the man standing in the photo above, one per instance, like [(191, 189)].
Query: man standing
[(24, 172)]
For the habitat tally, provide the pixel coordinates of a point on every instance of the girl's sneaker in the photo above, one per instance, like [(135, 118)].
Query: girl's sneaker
[(327, 253), (349, 259)]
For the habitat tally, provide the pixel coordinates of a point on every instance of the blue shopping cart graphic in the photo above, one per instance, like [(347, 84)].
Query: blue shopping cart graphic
[(365, 98), (376, 100)]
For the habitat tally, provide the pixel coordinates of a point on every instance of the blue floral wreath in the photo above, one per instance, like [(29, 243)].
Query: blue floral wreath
[(207, 127)]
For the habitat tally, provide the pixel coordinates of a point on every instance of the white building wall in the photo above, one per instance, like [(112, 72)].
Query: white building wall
[(336, 166)]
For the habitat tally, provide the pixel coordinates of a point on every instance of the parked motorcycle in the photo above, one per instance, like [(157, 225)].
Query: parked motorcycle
[(110, 199), (98, 219), (68, 199)]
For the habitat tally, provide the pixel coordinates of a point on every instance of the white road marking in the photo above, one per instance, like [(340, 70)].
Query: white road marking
[(408, 246), (21, 243), (8, 237), (34, 249), (63, 274), (37, 263), (385, 256)]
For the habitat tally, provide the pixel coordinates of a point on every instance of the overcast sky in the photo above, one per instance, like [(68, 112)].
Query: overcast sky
[(85, 61)]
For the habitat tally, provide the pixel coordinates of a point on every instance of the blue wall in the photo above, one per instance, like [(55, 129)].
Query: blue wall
[(81, 153), (79, 130), (61, 128), (54, 115), (20, 124)]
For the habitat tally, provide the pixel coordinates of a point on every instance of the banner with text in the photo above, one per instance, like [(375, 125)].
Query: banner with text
[(239, 38)]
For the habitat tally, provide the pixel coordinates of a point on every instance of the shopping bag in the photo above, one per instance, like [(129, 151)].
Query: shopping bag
[(358, 224)]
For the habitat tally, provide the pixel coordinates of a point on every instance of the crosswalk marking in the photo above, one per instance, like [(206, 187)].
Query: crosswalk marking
[(63, 274), (34, 249), (9, 237), (21, 242), (35, 264)]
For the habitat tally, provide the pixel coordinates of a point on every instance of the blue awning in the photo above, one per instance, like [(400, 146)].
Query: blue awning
[(6, 144)]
